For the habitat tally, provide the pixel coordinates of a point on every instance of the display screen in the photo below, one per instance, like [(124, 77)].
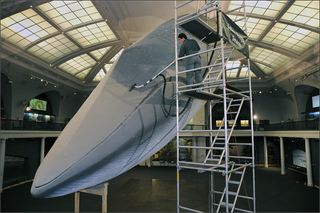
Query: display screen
[(298, 157), (244, 123), (315, 101), (37, 104)]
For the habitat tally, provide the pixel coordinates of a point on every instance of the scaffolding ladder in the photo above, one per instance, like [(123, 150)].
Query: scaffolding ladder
[(237, 168)]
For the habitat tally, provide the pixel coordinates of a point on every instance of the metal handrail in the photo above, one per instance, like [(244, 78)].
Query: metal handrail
[(135, 86)]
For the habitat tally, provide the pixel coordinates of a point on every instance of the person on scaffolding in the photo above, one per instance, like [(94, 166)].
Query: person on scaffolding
[(188, 47)]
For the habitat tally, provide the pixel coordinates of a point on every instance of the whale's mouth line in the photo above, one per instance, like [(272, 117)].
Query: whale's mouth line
[(148, 96)]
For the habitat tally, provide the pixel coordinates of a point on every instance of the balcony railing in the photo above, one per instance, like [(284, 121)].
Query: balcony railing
[(9, 124)]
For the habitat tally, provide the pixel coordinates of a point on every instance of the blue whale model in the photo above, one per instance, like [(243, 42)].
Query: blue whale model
[(117, 127)]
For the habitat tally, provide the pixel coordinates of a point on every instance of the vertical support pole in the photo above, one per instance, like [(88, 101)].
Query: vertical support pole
[(282, 158), (251, 113), (211, 196), (2, 160), (308, 162), (105, 198), (42, 149), (265, 151), (226, 147), (77, 202), (177, 104)]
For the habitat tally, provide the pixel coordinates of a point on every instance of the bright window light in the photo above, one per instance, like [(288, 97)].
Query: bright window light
[(23, 28), (82, 74), (92, 34), (78, 64), (68, 14), (304, 12), (100, 75), (97, 54), (291, 37), (269, 57), (53, 48)]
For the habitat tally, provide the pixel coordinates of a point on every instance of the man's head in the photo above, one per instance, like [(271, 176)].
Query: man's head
[(182, 37)]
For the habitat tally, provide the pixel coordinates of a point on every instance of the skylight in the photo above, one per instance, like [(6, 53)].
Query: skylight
[(78, 64), (23, 28), (266, 8), (265, 56), (100, 75), (92, 34), (291, 37), (267, 70), (53, 48), (68, 14), (82, 74), (97, 54), (304, 12)]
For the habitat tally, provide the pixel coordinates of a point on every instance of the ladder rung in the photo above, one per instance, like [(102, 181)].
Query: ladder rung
[(237, 172), (190, 209), (232, 193), (234, 182), (241, 144), (243, 210), (233, 105), (232, 112), (230, 205)]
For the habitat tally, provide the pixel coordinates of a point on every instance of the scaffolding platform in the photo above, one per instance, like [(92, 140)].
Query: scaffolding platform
[(201, 95), (201, 30)]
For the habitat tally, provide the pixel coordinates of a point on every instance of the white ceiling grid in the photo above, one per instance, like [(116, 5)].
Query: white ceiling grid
[(76, 25)]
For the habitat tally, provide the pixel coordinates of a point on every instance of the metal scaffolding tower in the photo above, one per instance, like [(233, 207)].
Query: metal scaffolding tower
[(232, 160)]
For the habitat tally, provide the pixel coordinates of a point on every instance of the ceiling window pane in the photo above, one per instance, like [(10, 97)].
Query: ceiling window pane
[(269, 57), (78, 64), (81, 75), (92, 34), (100, 75), (97, 54), (68, 14), (23, 28), (304, 12), (56, 47), (267, 70), (267, 8), (288, 36)]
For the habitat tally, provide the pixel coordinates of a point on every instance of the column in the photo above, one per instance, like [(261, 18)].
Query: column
[(282, 157), (265, 150), (42, 149), (2, 159), (308, 162), (77, 202), (105, 198)]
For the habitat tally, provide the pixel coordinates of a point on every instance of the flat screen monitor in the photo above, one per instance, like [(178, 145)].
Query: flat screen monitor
[(315, 101), (37, 104)]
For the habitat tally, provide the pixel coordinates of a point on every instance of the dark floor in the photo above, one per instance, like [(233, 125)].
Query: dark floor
[(154, 190)]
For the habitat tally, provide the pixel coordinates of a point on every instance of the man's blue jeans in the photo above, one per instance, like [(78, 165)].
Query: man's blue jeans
[(191, 63)]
